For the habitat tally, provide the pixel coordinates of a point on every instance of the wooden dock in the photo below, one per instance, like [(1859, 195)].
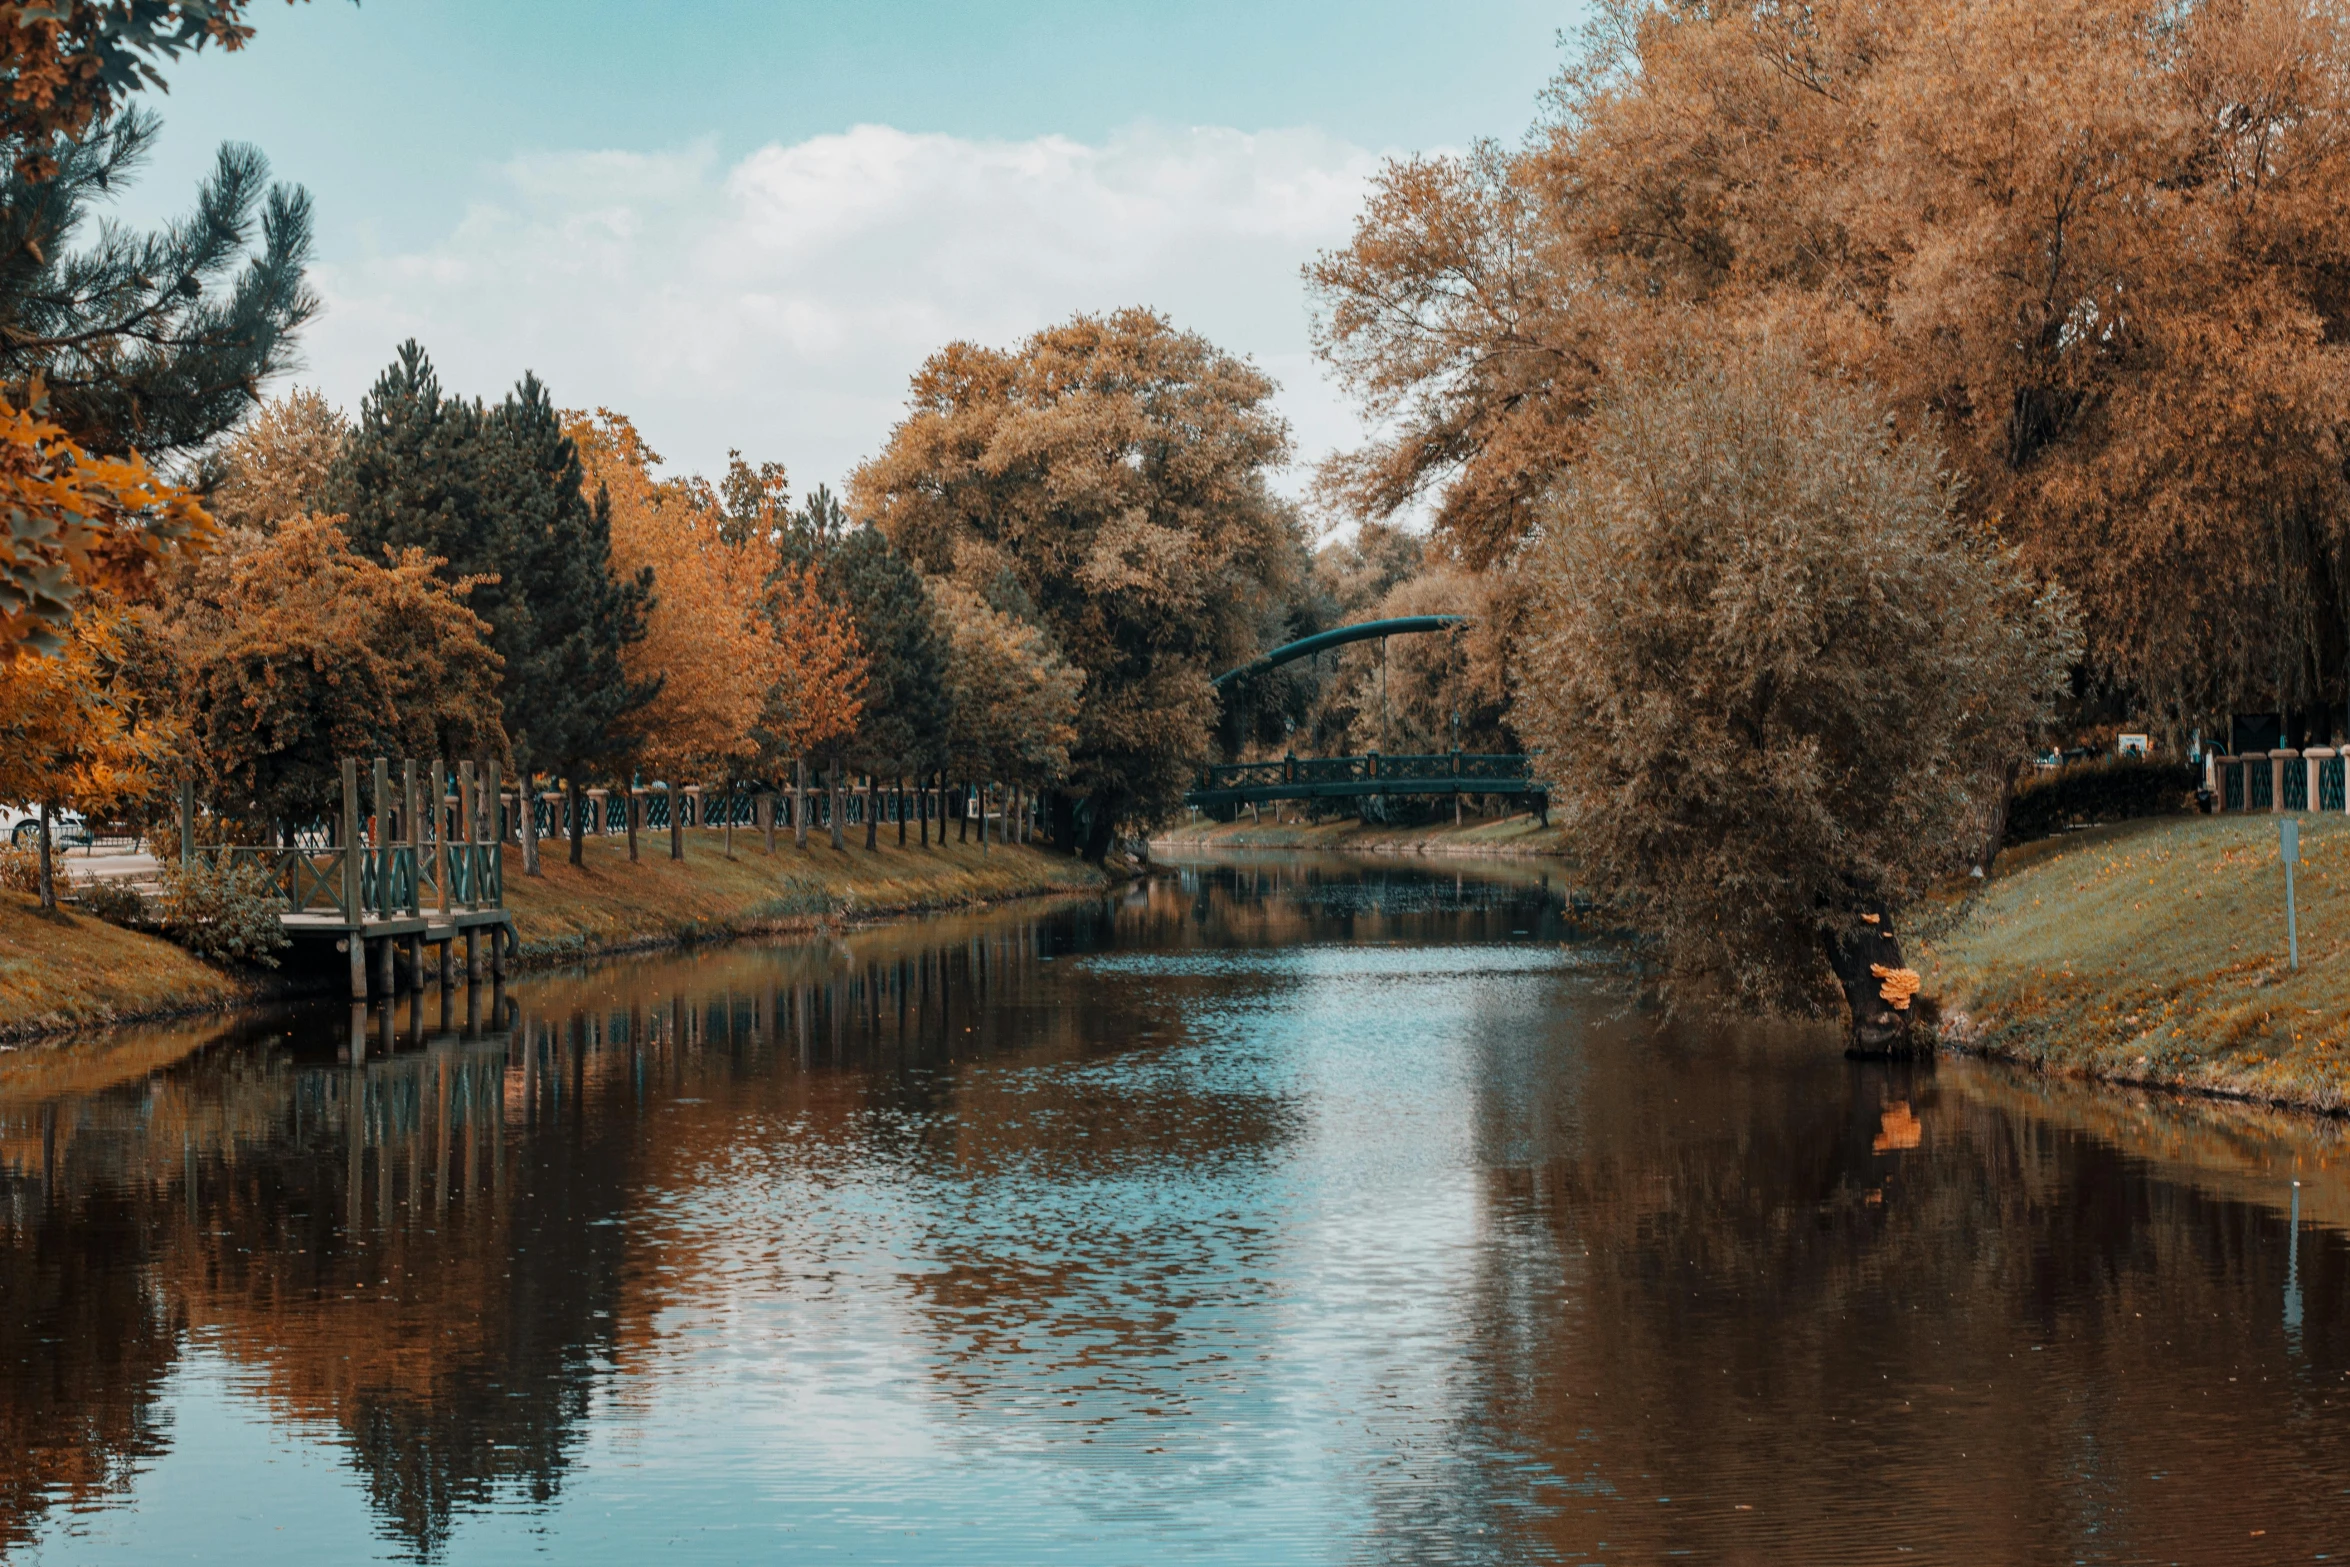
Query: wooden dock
[(424, 867)]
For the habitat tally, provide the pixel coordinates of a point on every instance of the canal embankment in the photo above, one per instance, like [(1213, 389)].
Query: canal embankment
[(67, 971), (2154, 953), (1519, 834)]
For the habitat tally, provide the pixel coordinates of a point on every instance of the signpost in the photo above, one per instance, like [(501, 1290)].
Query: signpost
[(2289, 848)]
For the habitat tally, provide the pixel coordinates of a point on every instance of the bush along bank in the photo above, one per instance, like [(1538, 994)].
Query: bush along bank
[(2154, 953), (2113, 789)]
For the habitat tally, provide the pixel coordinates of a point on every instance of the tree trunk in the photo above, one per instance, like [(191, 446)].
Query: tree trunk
[(1998, 834), (728, 811), (962, 813), (1099, 829), (1867, 963), (832, 799), (872, 815), (901, 794), (577, 805), (530, 818), (799, 803), (628, 800), (48, 870), (766, 810)]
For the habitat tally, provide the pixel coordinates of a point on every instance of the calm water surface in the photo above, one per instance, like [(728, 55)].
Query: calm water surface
[(1279, 1212)]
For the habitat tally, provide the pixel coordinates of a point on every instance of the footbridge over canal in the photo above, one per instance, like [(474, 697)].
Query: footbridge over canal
[(1226, 786)]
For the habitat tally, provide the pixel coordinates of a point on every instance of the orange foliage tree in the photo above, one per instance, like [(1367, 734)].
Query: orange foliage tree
[(291, 651), (74, 731), (818, 694), (69, 65), (75, 522), (2096, 248), (706, 638)]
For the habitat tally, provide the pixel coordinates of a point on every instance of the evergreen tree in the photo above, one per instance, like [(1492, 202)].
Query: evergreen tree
[(903, 726), (155, 342), (412, 475), (567, 692), (498, 493)]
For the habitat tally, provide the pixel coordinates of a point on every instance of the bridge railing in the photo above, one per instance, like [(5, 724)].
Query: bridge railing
[(1441, 773)]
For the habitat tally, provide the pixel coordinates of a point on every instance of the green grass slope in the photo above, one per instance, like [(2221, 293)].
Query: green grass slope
[(608, 904), (2154, 952)]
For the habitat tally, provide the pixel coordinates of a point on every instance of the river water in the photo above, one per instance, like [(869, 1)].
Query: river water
[(1277, 1211)]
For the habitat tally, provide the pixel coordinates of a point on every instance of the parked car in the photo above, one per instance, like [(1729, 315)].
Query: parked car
[(23, 828)]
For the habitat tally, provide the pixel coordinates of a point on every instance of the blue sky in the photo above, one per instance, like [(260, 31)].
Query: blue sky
[(746, 226)]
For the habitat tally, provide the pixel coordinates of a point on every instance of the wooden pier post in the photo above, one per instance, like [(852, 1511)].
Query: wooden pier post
[(466, 827), (379, 833), (448, 948), (356, 946), (472, 954), (412, 826), (383, 972), (439, 784), (493, 866)]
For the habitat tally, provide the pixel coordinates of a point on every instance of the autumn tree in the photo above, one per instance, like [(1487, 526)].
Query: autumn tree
[(276, 466), (1773, 675), (1011, 698), (2095, 246), (74, 731), (294, 651), (78, 522), (707, 640), (68, 66), (1434, 691), (1114, 469), (817, 697)]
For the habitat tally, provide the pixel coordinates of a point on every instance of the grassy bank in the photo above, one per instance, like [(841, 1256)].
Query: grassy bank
[(67, 971), (2153, 952), (1510, 835), (610, 905), (64, 970)]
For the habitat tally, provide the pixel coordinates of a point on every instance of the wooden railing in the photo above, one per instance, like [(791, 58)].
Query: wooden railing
[(428, 846)]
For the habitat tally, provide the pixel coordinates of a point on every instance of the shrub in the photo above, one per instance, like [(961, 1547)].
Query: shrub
[(2112, 790), (228, 915), (20, 868), (115, 902)]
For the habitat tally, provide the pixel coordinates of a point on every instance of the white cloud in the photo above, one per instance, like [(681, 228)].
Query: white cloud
[(779, 305)]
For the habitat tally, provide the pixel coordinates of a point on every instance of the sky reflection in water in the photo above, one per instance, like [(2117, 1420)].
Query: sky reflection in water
[(1286, 1211)]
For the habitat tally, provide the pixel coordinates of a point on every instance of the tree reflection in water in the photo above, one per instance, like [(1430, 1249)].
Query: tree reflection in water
[(1290, 1209)]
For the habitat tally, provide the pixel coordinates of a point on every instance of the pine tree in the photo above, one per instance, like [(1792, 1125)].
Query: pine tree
[(497, 493), (157, 342), (568, 692), (903, 726), (412, 476)]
